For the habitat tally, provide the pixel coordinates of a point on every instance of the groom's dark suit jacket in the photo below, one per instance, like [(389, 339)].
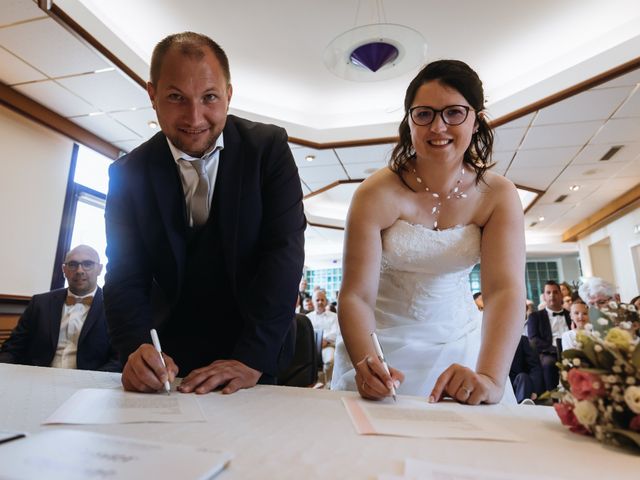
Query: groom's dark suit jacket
[(252, 245), (35, 339), (539, 331)]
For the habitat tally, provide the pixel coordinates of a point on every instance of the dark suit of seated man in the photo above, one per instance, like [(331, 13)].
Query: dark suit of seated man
[(525, 372), (65, 328), (543, 327), (208, 208)]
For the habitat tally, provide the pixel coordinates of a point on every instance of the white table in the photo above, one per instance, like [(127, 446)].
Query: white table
[(281, 433)]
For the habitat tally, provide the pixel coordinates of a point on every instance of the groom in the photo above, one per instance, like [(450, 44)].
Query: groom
[(202, 212)]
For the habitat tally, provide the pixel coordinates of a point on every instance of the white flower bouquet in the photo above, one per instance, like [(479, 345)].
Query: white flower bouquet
[(600, 394)]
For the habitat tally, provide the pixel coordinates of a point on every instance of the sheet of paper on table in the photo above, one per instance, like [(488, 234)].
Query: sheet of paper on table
[(424, 470), (413, 417), (109, 406), (74, 454)]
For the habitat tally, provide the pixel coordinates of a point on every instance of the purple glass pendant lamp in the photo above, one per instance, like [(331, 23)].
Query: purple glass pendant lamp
[(374, 55)]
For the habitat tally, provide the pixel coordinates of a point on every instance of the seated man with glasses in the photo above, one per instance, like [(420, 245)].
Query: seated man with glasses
[(66, 328)]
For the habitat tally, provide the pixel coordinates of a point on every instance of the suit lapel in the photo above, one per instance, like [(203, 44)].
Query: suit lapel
[(92, 315), (167, 186), (228, 191), (55, 317), (547, 325)]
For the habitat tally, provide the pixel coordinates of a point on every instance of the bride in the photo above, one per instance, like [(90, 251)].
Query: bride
[(414, 232)]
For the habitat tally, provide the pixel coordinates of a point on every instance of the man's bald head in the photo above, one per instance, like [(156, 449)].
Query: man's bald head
[(82, 268)]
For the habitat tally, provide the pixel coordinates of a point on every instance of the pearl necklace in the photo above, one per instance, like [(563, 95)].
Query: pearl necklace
[(455, 192)]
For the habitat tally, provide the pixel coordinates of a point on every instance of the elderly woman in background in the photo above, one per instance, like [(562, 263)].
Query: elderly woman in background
[(596, 292)]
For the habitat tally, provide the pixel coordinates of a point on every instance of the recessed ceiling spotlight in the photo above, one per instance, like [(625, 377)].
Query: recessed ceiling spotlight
[(152, 124), (310, 158), (574, 188), (541, 218)]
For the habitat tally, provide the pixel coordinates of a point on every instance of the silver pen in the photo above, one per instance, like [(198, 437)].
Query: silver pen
[(156, 345), (378, 349)]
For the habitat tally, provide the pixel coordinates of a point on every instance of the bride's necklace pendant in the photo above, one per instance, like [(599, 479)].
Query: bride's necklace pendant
[(455, 192)]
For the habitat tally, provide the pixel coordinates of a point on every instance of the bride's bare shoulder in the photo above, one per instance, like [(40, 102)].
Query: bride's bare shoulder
[(381, 184)]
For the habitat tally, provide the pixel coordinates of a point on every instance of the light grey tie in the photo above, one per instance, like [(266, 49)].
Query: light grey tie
[(200, 199)]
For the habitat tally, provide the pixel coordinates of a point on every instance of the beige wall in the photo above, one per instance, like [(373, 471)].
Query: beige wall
[(33, 177), (622, 238)]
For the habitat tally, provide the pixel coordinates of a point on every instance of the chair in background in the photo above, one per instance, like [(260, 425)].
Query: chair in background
[(303, 370)]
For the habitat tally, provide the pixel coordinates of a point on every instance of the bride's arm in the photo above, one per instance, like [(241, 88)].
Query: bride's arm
[(369, 214), (503, 294)]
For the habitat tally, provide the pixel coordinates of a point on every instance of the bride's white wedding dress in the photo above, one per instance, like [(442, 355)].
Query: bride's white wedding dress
[(426, 318)]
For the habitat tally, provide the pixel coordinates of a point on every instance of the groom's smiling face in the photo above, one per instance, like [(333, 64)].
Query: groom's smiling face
[(191, 98)]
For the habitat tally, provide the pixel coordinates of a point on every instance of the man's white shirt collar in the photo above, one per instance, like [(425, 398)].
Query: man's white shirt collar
[(179, 154)]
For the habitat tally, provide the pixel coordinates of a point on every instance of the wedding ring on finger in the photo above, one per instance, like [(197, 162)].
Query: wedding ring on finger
[(466, 390)]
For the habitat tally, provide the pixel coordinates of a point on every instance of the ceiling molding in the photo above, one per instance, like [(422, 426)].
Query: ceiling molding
[(583, 86), (343, 144), (72, 26), (330, 186), (33, 110), (322, 225), (539, 194), (614, 210)]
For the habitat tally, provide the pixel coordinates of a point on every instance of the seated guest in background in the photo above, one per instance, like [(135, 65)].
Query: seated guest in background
[(530, 308), (544, 327), (526, 373), (635, 301), (579, 320), (596, 292), (207, 209), (302, 290), (307, 305), (324, 319), (477, 297), (567, 302), (565, 289), (65, 328)]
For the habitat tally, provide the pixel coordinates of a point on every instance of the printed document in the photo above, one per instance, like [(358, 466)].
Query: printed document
[(108, 406), (75, 454), (412, 417)]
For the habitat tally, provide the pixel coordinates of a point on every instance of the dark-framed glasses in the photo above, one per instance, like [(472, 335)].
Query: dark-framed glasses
[(86, 265), (451, 115)]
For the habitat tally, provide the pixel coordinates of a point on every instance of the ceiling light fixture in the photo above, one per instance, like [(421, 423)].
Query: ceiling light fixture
[(541, 219), (152, 124), (377, 51), (104, 70), (95, 114), (574, 188), (310, 158)]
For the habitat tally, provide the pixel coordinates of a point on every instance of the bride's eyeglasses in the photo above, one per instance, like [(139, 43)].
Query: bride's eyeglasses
[(452, 115)]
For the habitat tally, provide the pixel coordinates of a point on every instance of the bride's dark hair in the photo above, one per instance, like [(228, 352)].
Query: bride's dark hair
[(464, 79)]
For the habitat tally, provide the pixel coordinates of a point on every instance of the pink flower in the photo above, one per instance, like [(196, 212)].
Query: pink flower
[(567, 417), (585, 385), (635, 423)]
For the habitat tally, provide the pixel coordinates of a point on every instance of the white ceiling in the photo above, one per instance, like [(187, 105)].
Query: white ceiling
[(524, 51)]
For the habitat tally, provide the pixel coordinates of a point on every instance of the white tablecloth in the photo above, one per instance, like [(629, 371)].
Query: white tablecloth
[(292, 433)]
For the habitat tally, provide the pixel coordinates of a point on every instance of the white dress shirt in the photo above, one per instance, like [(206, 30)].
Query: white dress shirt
[(327, 322), (558, 323), (189, 175), (73, 317)]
